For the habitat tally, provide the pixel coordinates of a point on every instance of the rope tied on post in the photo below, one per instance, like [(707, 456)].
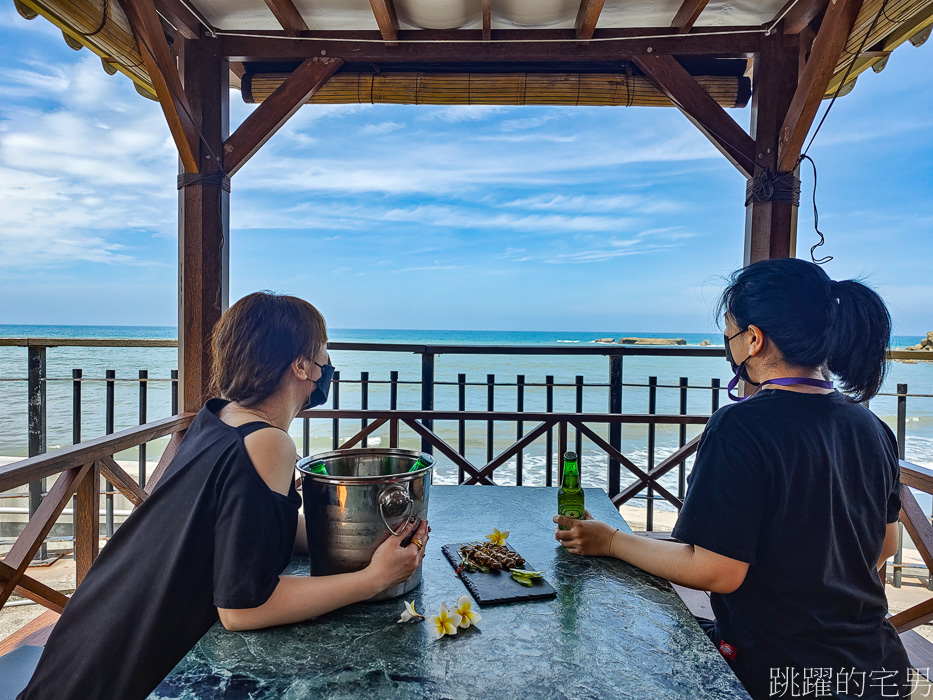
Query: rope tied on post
[(218, 179), (770, 186)]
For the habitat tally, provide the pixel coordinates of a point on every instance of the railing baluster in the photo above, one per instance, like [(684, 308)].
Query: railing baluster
[(335, 391), (427, 395), (682, 440), (549, 407), (174, 392), (520, 426), (901, 452), (461, 428), (108, 487), (305, 437), (76, 375), (714, 405), (364, 402), (143, 403), (490, 406), (578, 437), (614, 478), (37, 426), (652, 409), (393, 406)]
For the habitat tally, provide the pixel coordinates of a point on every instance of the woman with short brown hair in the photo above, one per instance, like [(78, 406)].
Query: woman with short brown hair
[(212, 540)]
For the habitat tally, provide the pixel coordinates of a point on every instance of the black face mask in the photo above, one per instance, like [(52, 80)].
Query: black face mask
[(736, 367), (322, 387)]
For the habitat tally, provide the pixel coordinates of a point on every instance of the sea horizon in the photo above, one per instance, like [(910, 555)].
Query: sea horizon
[(378, 368)]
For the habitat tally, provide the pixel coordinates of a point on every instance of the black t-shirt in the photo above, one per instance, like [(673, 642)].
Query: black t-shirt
[(212, 535), (801, 487)]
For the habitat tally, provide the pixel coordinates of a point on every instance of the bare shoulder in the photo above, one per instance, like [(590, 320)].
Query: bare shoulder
[(273, 455)]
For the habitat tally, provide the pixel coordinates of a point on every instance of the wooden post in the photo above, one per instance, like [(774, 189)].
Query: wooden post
[(771, 227), (203, 220)]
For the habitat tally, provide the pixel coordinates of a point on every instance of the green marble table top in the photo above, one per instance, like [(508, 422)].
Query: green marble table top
[(613, 631)]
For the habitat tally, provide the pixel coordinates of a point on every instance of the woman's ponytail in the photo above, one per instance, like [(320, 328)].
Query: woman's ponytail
[(813, 320), (859, 333)]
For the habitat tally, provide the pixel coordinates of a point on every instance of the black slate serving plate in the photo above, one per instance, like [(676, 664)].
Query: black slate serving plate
[(497, 586)]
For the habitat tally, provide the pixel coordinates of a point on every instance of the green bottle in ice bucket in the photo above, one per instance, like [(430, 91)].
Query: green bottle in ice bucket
[(570, 495), (318, 468), (419, 464)]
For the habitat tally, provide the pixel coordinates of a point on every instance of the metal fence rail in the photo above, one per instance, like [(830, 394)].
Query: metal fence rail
[(516, 411)]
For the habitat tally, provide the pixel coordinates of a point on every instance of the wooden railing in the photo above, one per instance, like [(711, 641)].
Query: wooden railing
[(421, 423), (917, 525), (78, 469)]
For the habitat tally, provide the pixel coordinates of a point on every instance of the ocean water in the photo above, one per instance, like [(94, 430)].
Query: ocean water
[(159, 362)]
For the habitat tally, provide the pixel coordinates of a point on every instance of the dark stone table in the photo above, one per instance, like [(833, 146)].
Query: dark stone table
[(612, 632)]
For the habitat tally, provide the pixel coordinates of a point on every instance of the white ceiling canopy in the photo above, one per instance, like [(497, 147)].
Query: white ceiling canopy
[(357, 15)]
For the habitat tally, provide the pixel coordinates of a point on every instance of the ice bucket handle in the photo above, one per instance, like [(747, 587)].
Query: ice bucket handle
[(394, 502)]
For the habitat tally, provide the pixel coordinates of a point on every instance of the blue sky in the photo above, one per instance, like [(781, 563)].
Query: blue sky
[(523, 218)]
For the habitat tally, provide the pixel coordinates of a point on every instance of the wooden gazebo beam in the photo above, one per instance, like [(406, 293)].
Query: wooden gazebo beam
[(487, 20), (164, 76), (203, 221), (688, 14), (387, 19), (701, 109), (587, 17), (771, 227), (467, 45), (179, 16), (272, 114), (814, 79), (801, 14), (288, 16)]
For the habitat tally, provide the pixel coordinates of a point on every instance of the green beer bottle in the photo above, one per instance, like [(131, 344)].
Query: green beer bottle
[(570, 495), (318, 468), (419, 464)]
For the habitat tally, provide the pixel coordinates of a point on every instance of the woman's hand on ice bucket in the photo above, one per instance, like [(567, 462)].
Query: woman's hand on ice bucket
[(392, 564)]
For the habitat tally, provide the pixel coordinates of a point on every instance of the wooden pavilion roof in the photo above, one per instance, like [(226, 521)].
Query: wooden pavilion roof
[(460, 42)]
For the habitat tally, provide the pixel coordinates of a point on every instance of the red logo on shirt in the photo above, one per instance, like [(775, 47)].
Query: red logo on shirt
[(727, 650)]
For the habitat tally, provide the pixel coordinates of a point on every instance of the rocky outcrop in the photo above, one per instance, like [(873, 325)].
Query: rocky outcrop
[(925, 344), (652, 341), (705, 343), (605, 340)]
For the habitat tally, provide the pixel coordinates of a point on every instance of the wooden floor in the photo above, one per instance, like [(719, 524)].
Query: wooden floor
[(34, 633)]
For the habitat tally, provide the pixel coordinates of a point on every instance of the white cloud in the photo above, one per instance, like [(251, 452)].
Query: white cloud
[(381, 128), (80, 181)]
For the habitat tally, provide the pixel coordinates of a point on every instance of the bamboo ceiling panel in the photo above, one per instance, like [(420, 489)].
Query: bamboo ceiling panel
[(597, 89)]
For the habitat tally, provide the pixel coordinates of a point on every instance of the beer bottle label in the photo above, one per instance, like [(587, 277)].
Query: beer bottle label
[(571, 511)]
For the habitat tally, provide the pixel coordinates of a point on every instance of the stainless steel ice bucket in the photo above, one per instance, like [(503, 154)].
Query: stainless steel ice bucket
[(365, 495)]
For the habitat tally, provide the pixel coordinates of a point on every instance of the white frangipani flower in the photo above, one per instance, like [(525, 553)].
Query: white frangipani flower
[(409, 613), (465, 610)]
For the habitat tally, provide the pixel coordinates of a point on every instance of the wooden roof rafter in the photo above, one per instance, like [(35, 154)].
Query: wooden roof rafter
[(587, 17), (272, 114), (814, 79), (798, 14), (288, 16), (487, 20), (688, 14), (387, 19), (701, 109), (160, 64), (180, 16)]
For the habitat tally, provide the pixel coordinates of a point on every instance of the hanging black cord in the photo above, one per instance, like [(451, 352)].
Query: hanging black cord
[(816, 221), (804, 156), (845, 77)]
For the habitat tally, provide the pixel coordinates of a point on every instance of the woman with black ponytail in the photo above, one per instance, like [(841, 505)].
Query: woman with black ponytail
[(793, 501)]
